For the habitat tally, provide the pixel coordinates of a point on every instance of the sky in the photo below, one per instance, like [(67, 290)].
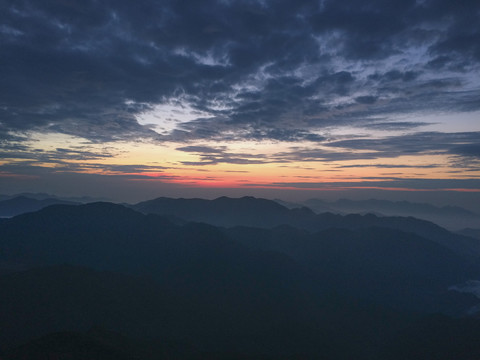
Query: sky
[(331, 98)]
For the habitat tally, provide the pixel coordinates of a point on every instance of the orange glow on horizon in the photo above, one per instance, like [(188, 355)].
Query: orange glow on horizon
[(237, 165)]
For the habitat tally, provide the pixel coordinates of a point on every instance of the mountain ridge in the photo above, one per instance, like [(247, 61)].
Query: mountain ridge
[(249, 211), (23, 204), (341, 292), (452, 217)]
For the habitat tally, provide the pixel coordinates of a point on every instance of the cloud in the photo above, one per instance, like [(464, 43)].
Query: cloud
[(320, 155), (366, 99), (201, 149), (389, 166), (388, 183), (253, 70), (464, 143), (472, 150), (32, 155), (213, 156), (397, 125)]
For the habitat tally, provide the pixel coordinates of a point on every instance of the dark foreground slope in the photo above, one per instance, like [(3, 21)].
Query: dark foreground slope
[(158, 322), (255, 321), (390, 267), (197, 291), (432, 338)]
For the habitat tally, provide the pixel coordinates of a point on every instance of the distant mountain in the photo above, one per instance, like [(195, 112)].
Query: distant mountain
[(458, 243), (21, 204), (372, 259), (288, 204), (473, 233), (249, 211), (36, 196), (44, 196), (238, 293), (390, 207), (225, 211), (453, 217)]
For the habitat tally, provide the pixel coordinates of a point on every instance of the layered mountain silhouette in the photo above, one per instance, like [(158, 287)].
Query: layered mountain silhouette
[(473, 233), (272, 283), (225, 211), (22, 204), (250, 211), (387, 207), (452, 217)]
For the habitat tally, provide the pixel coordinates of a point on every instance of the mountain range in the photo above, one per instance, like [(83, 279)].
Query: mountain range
[(22, 204), (254, 212), (451, 217), (231, 278)]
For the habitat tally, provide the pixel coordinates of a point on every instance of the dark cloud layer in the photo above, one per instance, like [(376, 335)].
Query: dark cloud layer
[(393, 183), (212, 156), (461, 143), (279, 70)]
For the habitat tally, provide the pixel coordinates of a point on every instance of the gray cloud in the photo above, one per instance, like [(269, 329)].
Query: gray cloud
[(461, 148), (366, 99), (467, 150), (210, 156), (30, 154), (312, 154), (201, 149), (464, 143), (33, 169), (398, 125), (389, 166), (389, 183), (263, 70)]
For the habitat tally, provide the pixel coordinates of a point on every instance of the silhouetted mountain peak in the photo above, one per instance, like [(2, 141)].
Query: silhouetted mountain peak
[(223, 211), (257, 212), (104, 209), (23, 204)]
